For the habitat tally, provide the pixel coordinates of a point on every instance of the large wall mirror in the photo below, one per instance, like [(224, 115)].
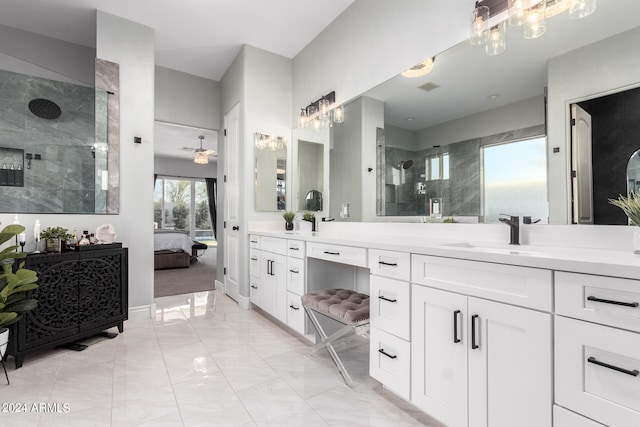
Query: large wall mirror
[(59, 134), (473, 133), (311, 181), (271, 172)]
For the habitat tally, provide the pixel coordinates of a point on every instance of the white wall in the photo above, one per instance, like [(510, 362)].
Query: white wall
[(133, 47), (186, 99), (184, 168), (372, 41), (601, 68)]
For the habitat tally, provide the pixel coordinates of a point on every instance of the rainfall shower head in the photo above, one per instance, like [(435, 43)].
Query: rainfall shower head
[(404, 164), (45, 109)]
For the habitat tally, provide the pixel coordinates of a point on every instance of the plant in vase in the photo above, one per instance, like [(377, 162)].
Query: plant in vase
[(630, 205), (14, 285), (310, 217), (55, 238), (288, 219)]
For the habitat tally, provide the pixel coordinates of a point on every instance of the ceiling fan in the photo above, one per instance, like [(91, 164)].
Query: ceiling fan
[(201, 156)]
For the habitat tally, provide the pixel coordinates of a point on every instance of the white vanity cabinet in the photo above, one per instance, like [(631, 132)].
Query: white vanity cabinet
[(273, 280), (597, 349), (295, 285), (476, 361), (390, 305)]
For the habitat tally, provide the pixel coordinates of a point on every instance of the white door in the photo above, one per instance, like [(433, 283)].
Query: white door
[(439, 350), (232, 203), (510, 375), (582, 174)]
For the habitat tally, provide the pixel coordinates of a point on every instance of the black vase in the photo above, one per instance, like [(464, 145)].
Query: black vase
[(288, 226)]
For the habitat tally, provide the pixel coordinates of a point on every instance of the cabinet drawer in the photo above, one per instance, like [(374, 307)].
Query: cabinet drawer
[(607, 300), (390, 362), (523, 286), (390, 306), (295, 248), (338, 253), (295, 313), (254, 241), (295, 275), (254, 290), (396, 265), (273, 244), (254, 262), (597, 371), (564, 418)]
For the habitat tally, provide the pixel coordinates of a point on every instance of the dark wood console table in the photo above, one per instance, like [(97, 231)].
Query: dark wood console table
[(80, 294)]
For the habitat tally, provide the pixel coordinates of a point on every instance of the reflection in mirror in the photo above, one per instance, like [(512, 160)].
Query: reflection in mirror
[(270, 172), (633, 173), (311, 175), (53, 146)]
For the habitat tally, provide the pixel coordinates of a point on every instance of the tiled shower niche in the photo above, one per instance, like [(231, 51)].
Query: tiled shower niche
[(11, 167)]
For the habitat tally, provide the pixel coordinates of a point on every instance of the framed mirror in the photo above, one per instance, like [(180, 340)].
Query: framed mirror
[(270, 172), (311, 177)]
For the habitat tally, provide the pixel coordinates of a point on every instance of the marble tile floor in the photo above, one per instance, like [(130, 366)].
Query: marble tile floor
[(202, 361)]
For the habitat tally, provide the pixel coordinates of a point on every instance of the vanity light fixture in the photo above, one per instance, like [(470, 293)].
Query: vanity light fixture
[(422, 69), (322, 113), (531, 14)]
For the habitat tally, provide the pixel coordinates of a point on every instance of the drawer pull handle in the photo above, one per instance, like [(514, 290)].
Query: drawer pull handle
[(473, 332), (294, 307), (294, 249), (387, 299), (254, 286), (633, 373), (387, 354), (331, 253), (254, 241), (608, 301), (456, 315), (390, 264), (254, 259), (294, 271)]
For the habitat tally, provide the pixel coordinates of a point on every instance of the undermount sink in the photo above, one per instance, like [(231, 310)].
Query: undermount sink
[(492, 247)]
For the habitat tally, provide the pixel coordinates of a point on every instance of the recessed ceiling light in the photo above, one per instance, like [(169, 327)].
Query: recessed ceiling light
[(493, 96), (410, 119)]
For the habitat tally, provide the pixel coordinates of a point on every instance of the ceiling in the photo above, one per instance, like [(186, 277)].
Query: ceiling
[(466, 77), (199, 37)]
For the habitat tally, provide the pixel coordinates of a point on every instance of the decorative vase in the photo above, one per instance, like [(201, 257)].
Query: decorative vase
[(288, 226), (53, 245), (636, 240), (4, 341)]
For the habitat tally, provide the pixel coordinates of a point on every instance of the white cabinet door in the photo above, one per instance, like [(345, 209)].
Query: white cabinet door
[(390, 362), (510, 375), (273, 280), (295, 313), (390, 306), (295, 275), (439, 354)]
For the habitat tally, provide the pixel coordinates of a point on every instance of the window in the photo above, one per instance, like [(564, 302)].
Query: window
[(182, 204), (437, 167), (515, 179)]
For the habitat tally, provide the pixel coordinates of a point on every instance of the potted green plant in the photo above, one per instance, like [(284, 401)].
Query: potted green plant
[(14, 285), (55, 238), (630, 205), (288, 219), (310, 217)]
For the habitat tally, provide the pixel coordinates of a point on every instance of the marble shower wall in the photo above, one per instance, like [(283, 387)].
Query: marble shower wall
[(61, 175)]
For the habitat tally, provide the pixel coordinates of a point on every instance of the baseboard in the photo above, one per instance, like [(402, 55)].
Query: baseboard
[(244, 302), (219, 286), (142, 312)]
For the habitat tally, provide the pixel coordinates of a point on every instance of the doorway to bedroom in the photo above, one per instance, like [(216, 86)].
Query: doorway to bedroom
[(184, 240)]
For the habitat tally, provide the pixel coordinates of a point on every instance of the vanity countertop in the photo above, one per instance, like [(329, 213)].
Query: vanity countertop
[(606, 262)]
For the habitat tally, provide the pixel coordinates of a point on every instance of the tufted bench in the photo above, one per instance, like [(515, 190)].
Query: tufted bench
[(342, 305)]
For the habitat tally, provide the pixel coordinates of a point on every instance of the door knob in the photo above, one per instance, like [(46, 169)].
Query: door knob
[(235, 228)]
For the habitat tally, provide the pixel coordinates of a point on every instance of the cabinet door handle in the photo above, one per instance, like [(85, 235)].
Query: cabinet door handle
[(294, 249), (390, 264), (270, 267), (294, 271), (474, 345), (387, 354), (633, 373), (608, 301), (294, 307), (254, 286), (456, 316), (331, 253), (387, 299)]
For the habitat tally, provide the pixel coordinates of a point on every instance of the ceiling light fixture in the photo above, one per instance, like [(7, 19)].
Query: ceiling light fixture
[(531, 14), (200, 155), (422, 69), (322, 113)]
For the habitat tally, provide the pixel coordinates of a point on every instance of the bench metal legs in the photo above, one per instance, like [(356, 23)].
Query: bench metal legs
[(327, 341)]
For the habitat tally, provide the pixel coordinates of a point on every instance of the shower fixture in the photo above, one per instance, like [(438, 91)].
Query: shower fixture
[(45, 109), (403, 164)]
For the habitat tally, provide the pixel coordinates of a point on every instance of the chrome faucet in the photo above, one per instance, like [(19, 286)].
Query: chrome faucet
[(514, 225)]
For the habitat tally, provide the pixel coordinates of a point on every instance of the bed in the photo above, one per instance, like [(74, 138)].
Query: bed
[(174, 249)]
